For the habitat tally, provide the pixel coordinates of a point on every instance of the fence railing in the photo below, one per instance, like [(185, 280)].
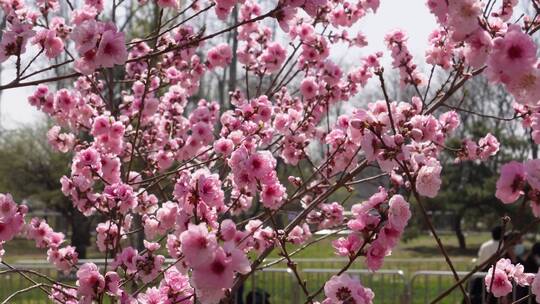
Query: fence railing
[(408, 266), (425, 286), (278, 284), (390, 286)]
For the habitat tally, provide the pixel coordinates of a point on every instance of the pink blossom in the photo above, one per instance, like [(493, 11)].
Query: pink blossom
[(238, 258), (44, 236), (177, 285), (273, 57), (219, 56), (107, 235), (428, 180), (364, 217), (86, 36), (402, 58), (375, 254), (149, 264), (309, 87), (477, 48), (60, 294), (489, 146), (209, 188), (525, 87), (111, 50), (463, 17), (532, 173), (224, 146), (64, 258), (501, 285), (48, 40), (228, 229), (150, 153), (347, 246), (223, 8), (512, 55), (449, 121), (272, 195), (62, 142), (152, 295), (89, 281), (120, 196), (78, 16), (345, 288), (198, 245), (112, 283), (398, 212), (213, 276), (510, 183), (439, 8), (535, 287), (332, 215), (299, 234), (97, 4), (168, 3), (441, 51)]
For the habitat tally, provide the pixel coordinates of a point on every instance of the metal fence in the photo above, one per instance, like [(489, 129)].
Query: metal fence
[(272, 285), (390, 286), (278, 284), (12, 281), (425, 286), (408, 266)]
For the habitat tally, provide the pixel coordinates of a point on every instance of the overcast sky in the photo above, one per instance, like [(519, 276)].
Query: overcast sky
[(411, 15)]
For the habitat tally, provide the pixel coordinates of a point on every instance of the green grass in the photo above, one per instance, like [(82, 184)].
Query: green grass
[(388, 289), (420, 247)]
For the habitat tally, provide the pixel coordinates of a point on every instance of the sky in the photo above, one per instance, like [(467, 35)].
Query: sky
[(411, 15)]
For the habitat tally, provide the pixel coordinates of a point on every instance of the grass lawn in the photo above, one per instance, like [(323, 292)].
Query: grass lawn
[(388, 288)]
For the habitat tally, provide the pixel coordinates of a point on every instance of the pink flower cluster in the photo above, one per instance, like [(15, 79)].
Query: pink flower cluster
[(346, 289), (64, 258), (151, 156), (50, 42), (219, 56), (174, 288), (99, 44), (213, 265), (62, 142), (515, 176), (11, 217), (530, 119), (441, 49), (91, 284), (416, 142), (486, 147), (383, 216), (254, 171), (17, 33), (12, 223), (535, 286), (362, 74), (507, 50), (514, 63), (499, 280), (327, 216), (403, 59)]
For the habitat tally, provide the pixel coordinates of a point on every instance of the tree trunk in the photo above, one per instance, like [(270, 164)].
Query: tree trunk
[(234, 61), (138, 237), (457, 229), (80, 236)]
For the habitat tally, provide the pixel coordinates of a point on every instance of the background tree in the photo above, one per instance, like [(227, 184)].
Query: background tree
[(30, 170), (469, 186)]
